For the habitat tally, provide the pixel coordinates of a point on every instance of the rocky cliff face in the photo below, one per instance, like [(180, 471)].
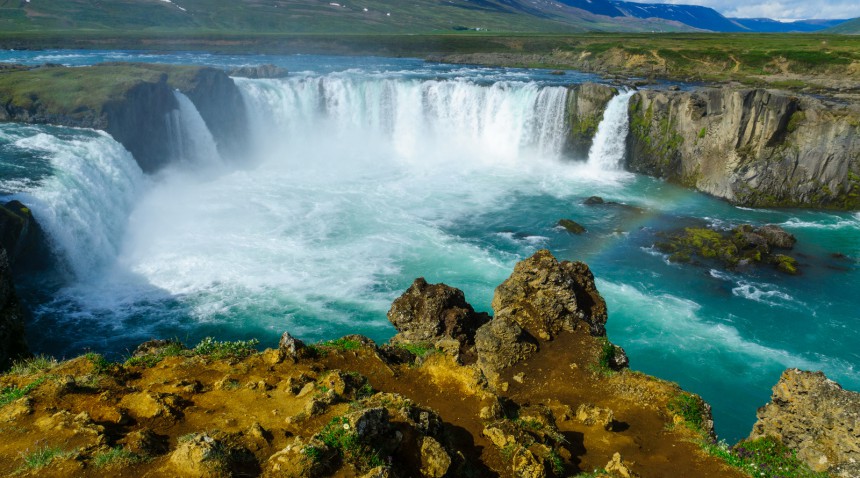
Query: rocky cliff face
[(129, 101), (817, 418), (586, 103), (750, 146), (12, 342)]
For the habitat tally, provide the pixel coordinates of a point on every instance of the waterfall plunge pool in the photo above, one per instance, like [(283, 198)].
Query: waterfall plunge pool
[(367, 173)]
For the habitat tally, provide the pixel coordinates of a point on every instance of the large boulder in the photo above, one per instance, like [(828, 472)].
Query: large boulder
[(12, 342), (545, 297), (815, 417), (437, 315), (541, 299)]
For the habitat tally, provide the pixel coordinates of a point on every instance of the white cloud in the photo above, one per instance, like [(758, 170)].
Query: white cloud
[(777, 9)]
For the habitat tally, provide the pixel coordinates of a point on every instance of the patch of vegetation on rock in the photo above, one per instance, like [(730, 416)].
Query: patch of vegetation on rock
[(744, 245)]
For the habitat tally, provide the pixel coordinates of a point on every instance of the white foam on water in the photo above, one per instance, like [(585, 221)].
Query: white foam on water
[(667, 319)]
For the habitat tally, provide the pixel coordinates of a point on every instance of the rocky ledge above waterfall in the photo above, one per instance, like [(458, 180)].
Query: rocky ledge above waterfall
[(128, 100)]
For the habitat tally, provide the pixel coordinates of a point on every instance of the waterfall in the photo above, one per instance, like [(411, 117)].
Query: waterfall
[(84, 205), (412, 117), (190, 139), (607, 150)]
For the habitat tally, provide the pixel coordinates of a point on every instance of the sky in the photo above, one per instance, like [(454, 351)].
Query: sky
[(776, 9)]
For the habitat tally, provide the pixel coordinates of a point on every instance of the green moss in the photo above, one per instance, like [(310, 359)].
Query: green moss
[(794, 122), (690, 408), (785, 263), (702, 132)]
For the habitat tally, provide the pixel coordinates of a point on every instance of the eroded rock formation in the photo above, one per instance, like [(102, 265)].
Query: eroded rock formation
[(815, 417)]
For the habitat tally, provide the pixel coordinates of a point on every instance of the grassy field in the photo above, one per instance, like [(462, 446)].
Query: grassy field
[(70, 90), (792, 61), (310, 16)]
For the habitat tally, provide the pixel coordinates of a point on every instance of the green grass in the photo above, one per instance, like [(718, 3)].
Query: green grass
[(39, 363), (417, 349), (173, 349), (41, 458), (100, 364), (763, 458), (12, 393), (688, 407), (238, 349), (339, 436), (117, 456), (80, 91), (305, 16)]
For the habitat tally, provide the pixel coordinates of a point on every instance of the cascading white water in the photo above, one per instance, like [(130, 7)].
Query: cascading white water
[(190, 139), (607, 150), (84, 205), (500, 121)]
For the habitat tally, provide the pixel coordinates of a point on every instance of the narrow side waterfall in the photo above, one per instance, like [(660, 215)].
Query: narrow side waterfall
[(607, 150), (413, 117), (190, 139)]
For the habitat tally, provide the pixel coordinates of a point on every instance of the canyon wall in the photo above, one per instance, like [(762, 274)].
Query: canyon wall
[(752, 147)]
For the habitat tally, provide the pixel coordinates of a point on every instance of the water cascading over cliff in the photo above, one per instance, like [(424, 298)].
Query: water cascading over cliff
[(350, 190)]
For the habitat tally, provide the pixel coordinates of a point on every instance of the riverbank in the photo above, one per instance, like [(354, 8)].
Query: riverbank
[(812, 63), (537, 390)]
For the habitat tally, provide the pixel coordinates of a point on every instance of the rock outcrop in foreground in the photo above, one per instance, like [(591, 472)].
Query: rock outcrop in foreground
[(535, 391), (752, 147), (817, 418)]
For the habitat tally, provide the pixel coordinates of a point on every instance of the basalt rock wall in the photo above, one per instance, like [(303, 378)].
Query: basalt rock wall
[(752, 147)]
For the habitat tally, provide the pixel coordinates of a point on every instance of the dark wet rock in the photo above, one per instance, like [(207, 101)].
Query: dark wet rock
[(593, 200), (571, 226), (557, 72), (776, 236), (436, 315), (24, 240), (816, 418), (260, 71), (13, 344)]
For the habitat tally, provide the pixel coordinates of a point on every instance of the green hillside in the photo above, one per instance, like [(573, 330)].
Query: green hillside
[(851, 27), (310, 16)]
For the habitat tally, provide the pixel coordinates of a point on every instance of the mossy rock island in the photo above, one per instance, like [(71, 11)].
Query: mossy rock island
[(741, 246)]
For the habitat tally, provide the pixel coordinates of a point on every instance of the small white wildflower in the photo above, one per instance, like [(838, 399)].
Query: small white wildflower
[(346, 426)]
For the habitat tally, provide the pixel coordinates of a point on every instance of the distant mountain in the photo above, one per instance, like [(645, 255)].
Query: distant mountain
[(319, 16), (376, 16), (766, 25), (703, 18), (851, 27)]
